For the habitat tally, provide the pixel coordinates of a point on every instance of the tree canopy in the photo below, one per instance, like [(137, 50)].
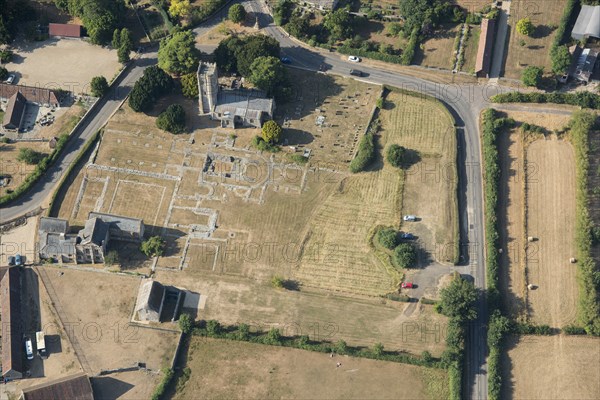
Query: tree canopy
[(396, 155), (178, 55), (339, 24), (271, 132), (561, 60), (424, 15), (153, 247), (387, 237), (405, 255), (269, 74), (152, 85), (532, 76), (99, 86), (180, 8), (458, 299), (237, 13), (525, 26), (100, 17), (189, 85), (29, 156), (236, 54), (172, 119)]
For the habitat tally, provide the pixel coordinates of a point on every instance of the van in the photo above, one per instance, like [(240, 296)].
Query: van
[(40, 343), (29, 349)]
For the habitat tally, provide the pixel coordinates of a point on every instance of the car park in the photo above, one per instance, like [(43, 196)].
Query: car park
[(354, 59)]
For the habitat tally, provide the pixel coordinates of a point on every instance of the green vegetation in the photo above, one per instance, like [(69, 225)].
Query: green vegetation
[(260, 144), (161, 388), (396, 155), (531, 329), (561, 60), (364, 155), (338, 24), (581, 99), (405, 255), (153, 247), (6, 56), (498, 327), (123, 42), (186, 323), (277, 282), (560, 37), (269, 74), (99, 86), (532, 76), (29, 156), (387, 238), (525, 26), (409, 51), (152, 85), (588, 272), (189, 85), (180, 8), (298, 159), (271, 132), (111, 258), (237, 13), (282, 11), (236, 54), (172, 119), (178, 54), (3, 73), (205, 9), (100, 17)]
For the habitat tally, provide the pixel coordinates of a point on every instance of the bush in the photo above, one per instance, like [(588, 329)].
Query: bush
[(237, 13), (111, 258), (531, 329), (29, 156), (525, 26), (364, 155), (6, 56), (409, 51), (298, 159), (154, 84), (172, 119), (532, 76), (99, 86), (153, 247), (271, 132), (571, 7), (405, 255), (3, 74), (260, 144), (186, 323), (277, 282), (189, 85), (573, 330), (387, 238), (396, 155), (161, 388), (580, 99)]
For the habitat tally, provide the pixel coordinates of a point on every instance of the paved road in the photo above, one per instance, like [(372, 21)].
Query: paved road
[(108, 105)]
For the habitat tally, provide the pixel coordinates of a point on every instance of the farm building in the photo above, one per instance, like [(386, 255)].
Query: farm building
[(121, 228), (486, 47), (12, 335), (36, 95), (64, 30), (150, 300), (15, 110), (585, 65), (73, 387), (587, 24), (233, 107)]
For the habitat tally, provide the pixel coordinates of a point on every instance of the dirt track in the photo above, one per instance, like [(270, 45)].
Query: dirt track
[(551, 219)]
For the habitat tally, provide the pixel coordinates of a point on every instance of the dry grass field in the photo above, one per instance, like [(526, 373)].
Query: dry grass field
[(100, 306), (545, 16), (552, 367), (424, 126), (471, 48), (237, 370), (438, 50), (551, 219)]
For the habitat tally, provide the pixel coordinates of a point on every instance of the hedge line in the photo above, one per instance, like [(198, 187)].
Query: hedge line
[(366, 149), (581, 99), (374, 55), (559, 36), (40, 168), (588, 307), (161, 388), (409, 52), (274, 337), (454, 357)]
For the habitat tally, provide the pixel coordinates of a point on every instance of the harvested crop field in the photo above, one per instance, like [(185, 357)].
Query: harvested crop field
[(552, 367), (551, 220), (438, 50), (236, 370)]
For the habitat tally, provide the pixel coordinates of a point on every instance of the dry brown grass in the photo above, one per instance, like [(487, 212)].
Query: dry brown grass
[(438, 50), (545, 16), (552, 367), (471, 48), (235, 370)]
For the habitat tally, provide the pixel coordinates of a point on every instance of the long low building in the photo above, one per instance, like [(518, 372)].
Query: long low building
[(15, 110), (587, 24), (486, 47), (12, 330), (37, 95), (73, 387)]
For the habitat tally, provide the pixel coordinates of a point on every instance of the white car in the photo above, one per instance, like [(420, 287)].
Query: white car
[(11, 79), (410, 218), (353, 59)]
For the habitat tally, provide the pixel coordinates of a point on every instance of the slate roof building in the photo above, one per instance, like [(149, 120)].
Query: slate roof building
[(150, 300), (486, 47), (36, 95), (233, 107), (15, 110), (65, 30), (121, 228), (587, 24), (73, 387), (12, 330)]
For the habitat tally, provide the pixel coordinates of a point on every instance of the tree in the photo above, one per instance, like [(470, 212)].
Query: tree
[(111, 258), (153, 247), (99, 86), (282, 11), (396, 155), (341, 347), (236, 54), (271, 132), (116, 39), (339, 24), (378, 349), (152, 85), (213, 327), (186, 323), (237, 13), (532, 76), (405, 255), (29, 156), (6, 56), (525, 26), (3, 73), (387, 237), (458, 299), (269, 74), (125, 39), (178, 55), (180, 8), (561, 60), (189, 85), (394, 28), (123, 55), (172, 119), (298, 26)]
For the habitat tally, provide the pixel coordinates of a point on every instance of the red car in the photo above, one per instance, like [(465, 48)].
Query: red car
[(407, 285)]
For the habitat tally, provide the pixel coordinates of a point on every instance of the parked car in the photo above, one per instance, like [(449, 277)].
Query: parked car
[(410, 218), (11, 261), (353, 59), (323, 67), (286, 60), (407, 285), (407, 236), (10, 79), (18, 260), (28, 348), (356, 72)]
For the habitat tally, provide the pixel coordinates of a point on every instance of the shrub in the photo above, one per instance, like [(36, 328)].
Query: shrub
[(559, 35), (99, 86), (186, 323), (525, 26), (260, 144), (6, 56), (29, 156), (409, 51), (405, 255), (580, 99), (532, 76), (387, 238), (298, 159), (396, 155), (161, 388), (3, 74), (172, 119), (573, 330), (364, 155), (237, 13), (189, 85), (277, 282), (153, 247)]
